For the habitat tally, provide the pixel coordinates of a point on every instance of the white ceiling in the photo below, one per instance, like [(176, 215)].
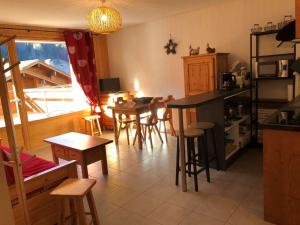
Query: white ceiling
[(72, 13)]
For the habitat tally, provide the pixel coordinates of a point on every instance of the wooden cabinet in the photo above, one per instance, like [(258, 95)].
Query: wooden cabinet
[(201, 74), (297, 7)]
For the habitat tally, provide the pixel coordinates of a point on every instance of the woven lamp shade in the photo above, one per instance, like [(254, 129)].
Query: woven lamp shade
[(104, 20)]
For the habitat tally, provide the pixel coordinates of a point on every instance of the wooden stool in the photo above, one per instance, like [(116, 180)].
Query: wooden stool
[(91, 120), (209, 127), (74, 190), (190, 135)]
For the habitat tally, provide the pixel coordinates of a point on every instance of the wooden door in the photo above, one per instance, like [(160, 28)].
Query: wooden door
[(199, 78)]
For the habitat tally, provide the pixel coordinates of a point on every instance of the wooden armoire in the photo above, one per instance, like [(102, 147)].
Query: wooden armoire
[(202, 74)]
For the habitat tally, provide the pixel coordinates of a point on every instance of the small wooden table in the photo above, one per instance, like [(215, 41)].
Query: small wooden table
[(85, 149), (132, 109)]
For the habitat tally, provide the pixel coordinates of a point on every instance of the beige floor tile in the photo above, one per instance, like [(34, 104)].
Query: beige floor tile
[(189, 200), (236, 191), (214, 187), (217, 207), (119, 197), (95, 170), (169, 214), (136, 182), (198, 219), (124, 217), (142, 205), (254, 200), (244, 216), (104, 208), (161, 192)]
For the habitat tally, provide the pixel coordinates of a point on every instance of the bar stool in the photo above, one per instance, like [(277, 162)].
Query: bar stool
[(91, 120), (208, 127), (74, 190), (190, 134)]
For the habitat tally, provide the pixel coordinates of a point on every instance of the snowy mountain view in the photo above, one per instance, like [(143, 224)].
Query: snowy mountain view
[(54, 54)]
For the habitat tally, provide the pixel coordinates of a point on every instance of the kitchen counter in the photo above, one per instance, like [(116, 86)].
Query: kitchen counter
[(277, 121), (198, 100), (281, 158)]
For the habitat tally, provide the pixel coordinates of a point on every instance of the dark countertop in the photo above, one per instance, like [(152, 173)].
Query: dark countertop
[(198, 100), (292, 124)]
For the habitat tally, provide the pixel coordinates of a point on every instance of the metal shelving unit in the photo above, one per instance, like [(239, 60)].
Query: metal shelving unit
[(257, 103)]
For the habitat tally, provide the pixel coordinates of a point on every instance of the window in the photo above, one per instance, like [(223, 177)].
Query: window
[(50, 87)]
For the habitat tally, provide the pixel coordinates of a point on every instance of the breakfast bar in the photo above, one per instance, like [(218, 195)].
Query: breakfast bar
[(209, 108)]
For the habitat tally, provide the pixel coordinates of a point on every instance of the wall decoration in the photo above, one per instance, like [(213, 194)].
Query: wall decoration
[(194, 51), (170, 47), (209, 49)]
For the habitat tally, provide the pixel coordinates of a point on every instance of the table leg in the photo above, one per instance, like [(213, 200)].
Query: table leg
[(182, 150), (115, 127), (84, 170), (138, 130), (55, 159), (104, 162)]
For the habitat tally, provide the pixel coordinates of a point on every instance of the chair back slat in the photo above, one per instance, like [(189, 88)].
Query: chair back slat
[(167, 111), (153, 108), (119, 102)]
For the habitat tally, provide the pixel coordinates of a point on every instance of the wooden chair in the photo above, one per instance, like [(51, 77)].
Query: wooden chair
[(124, 120), (73, 191), (167, 117), (150, 123)]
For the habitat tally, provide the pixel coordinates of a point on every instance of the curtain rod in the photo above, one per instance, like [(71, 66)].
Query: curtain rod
[(28, 30), (38, 30)]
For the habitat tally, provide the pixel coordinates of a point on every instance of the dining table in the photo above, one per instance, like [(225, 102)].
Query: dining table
[(130, 108)]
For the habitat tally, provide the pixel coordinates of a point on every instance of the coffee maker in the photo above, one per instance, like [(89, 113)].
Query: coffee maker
[(227, 81)]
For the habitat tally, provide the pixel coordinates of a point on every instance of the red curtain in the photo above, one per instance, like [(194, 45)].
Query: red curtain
[(82, 57)]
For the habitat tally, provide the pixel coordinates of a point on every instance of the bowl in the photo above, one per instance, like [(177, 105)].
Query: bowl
[(143, 100)]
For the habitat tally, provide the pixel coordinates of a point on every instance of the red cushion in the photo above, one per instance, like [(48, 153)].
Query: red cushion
[(31, 167), (35, 165)]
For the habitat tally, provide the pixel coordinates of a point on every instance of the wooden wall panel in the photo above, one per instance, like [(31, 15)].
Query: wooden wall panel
[(32, 33), (101, 55), (48, 127)]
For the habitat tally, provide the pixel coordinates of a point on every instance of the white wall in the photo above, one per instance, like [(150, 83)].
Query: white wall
[(136, 53)]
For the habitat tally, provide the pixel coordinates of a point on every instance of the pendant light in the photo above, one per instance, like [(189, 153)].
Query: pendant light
[(104, 20)]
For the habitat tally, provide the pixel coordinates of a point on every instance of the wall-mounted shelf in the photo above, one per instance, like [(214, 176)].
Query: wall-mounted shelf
[(264, 33), (273, 56), (257, 82), (274, 78), (236, 123), (272, 100)]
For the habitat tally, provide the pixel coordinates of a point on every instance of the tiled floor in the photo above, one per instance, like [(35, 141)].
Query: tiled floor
[(140, 189)]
